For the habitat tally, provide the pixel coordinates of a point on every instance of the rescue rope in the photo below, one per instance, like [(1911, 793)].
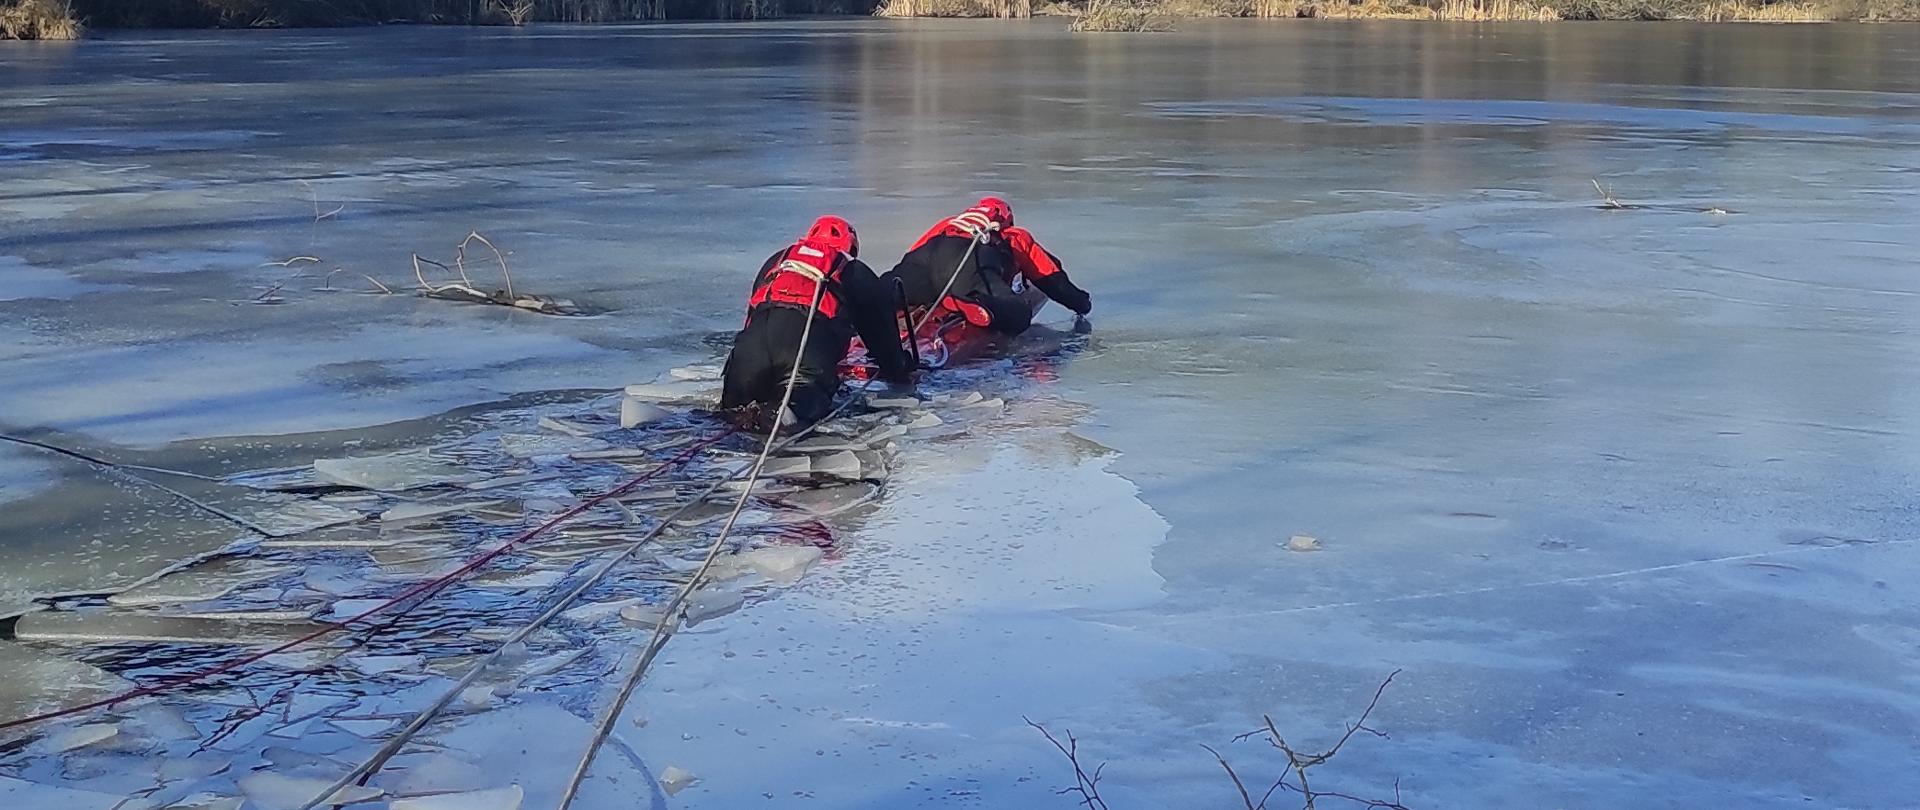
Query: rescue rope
[(372, 765), (979, 236), (118, 469), (670, 617), (423, 591)]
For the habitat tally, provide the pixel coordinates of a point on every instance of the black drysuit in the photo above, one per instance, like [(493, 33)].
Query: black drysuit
[(983, 291), (853, 300)]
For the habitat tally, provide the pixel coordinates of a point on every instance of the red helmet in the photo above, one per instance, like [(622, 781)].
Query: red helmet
[(837, 233), (997, 210)]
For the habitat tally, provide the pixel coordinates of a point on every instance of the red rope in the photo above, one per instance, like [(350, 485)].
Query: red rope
[(424, 590)]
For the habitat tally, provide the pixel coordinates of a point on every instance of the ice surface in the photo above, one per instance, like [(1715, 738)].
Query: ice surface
[(506, 798), (569, 427), (390, 472), (273, 791), (784, 565), (1371, 298)]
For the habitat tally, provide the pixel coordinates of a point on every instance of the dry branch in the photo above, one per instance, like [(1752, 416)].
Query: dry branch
[(1085, 784)]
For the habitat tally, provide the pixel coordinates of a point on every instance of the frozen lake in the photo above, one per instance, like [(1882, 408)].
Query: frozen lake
[(1626, 494)]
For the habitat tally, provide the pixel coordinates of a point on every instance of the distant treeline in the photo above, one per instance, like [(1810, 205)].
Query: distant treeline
[(293, 13)]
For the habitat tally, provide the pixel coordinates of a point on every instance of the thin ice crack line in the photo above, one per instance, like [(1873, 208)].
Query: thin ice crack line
[(1573, 580)]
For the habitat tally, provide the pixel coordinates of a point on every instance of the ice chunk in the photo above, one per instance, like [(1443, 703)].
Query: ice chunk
[(781, 564), (548, 664), (826, 444), (1303, 542), (831, 500), (333, 581), (996, 402), (530, 445), (873, 466), (385, 664), (642, 615), (299, 516), (509, 481), (595, 612), (843, 464), (712, 603), (23, 794), (211, 579), (162, 724), (675, 779), (612, 454), (349, 608), (296, 761), (105, 627), (416, 774), (884, 433), (311, 660), (969, 398), (292, 731), (308, 704), (368, 729), (78, 737), (410, 514), (207, 801), (786, 467), (517, 580), (392, 472), (362, 539), (273, 791), (635, 412), (926, 420), (674, 391), (506, 798), (894, 403), (568, 427), (697, 371)]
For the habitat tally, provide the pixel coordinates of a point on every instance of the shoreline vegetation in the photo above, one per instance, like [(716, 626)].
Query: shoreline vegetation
[(70, 19)]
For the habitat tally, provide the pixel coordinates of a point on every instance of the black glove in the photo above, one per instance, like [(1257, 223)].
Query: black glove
[(1086, 306)]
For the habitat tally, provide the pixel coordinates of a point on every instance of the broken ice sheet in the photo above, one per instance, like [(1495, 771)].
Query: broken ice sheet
[(410, 514), (35, 682), (530, 445), (843, 464), (291, 516), (110, 627), (211, 579), (386, 664), (273, 791), (77, 737), (827, 501), (517, 580), (207, 801), (712, 603), (569, 427), (783, 565), (392, 472), (506, 798), (27, 795), (593, 612)]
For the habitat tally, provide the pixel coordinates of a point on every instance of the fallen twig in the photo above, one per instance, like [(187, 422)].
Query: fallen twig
[(289, 262), (317, 215), (1606, 196), (1085, 784)]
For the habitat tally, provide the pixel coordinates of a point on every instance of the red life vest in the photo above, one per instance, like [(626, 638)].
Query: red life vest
[(806, 265)]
